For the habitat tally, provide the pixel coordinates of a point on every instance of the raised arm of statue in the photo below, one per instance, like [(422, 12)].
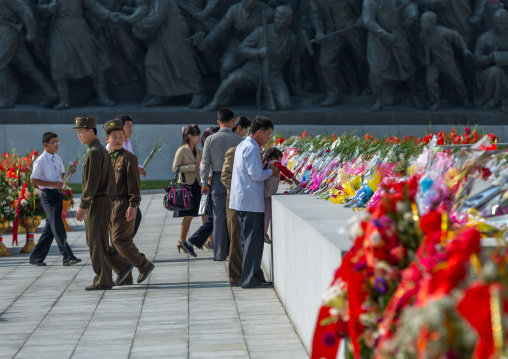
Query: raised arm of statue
[(317, 17), (250, 46), (456, 39), (156, 16), (26, 15), (96, 8), (369, 19), (225, 24)]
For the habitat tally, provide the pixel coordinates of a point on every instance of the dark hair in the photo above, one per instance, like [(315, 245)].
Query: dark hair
[(124, 118), (189, 130), (260, 123), (226, 115), (208, 132), (94, 131), (272, 153), (48, 136), (243, 122)]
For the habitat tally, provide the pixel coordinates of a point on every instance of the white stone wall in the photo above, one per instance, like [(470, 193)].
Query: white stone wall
[(307, 249)]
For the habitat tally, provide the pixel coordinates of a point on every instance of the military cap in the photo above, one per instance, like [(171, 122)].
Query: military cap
[(86, 122), (113, 125)]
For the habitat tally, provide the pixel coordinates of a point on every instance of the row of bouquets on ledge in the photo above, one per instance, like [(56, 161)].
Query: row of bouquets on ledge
[(427, 273), (348, 169), (20, 201)]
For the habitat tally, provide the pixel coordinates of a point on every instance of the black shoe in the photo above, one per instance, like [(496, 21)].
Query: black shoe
[(93, 287), (72, 262), (188, 249), (236, 284), (38, 264), (261, 285), (267, 239), (127, 282), (121, 277), (145, 274)]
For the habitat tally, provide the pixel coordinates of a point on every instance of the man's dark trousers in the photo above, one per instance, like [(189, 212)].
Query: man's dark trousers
[(52, 202), (138, 222), (201, 235), (252, 228), (220, 225)]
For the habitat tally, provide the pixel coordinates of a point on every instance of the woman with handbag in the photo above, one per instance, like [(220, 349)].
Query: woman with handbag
[(203, 235), (187, 160)]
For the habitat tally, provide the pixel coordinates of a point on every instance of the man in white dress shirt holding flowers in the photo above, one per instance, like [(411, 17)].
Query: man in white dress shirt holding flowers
[(47, 173), (247, 198)]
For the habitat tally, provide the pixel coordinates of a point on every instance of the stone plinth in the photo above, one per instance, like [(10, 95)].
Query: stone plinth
[(307, 249)]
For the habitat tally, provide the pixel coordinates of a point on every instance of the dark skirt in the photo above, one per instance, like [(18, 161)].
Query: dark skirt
[(196, 199)]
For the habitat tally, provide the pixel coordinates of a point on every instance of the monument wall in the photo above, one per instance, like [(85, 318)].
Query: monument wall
[(277, 55)]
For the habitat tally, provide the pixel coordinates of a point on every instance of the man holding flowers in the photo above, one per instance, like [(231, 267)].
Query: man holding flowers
[(47, 173)]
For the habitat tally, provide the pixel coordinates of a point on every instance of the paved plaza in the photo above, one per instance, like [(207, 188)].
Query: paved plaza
[(185, 309)]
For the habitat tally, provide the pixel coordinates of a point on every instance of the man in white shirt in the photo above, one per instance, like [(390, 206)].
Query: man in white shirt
[(127, 129), (48, 171), (247, 198)]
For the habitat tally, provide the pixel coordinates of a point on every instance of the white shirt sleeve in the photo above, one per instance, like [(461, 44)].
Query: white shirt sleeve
[(254, 165), (38, 169)]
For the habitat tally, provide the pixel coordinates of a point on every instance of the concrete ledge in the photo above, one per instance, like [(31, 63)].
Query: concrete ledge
[(307, 248), (350, 114)]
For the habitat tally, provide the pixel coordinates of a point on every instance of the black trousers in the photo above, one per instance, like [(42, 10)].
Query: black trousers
[(201, 235), (52, 202), (252, 229), (138, 222)]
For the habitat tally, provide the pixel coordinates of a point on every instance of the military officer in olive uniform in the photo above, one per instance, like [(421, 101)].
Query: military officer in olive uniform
[(95, 208), (126, 198)]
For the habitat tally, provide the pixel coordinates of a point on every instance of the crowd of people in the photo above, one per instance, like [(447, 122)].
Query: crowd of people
[(229, 170)]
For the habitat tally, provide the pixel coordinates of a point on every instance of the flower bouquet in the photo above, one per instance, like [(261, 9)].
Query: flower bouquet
[(8, 196), (29, 211), (347, 169), (416, 283), (156, 148), (68, 202), (71, 167)]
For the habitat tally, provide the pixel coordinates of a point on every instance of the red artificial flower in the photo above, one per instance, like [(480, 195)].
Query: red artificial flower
[(492, 147), (475, 307), (467, 131)]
